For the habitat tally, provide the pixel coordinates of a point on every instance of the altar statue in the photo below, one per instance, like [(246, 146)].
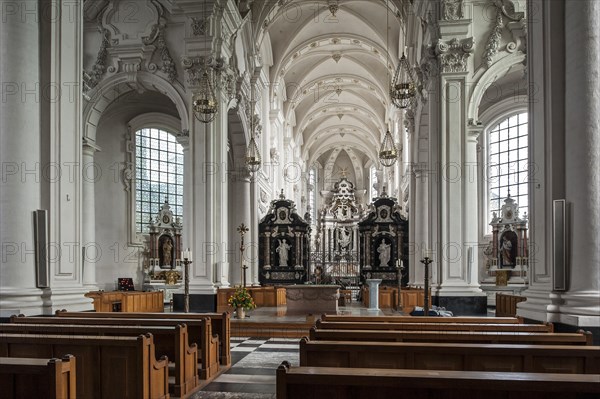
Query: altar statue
[(384, 253), (344, 236), (283, 250)]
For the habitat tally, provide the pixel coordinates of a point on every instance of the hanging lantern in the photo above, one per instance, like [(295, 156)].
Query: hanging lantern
[(253, 159), (204, 101), (388, 153), (403, 89)]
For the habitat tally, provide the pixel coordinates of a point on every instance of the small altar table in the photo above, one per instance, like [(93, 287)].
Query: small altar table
[(312, 298)]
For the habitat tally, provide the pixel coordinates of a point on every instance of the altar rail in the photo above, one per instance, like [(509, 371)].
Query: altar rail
[(341, 383), (127, 301), (38, 378), (506, 304)]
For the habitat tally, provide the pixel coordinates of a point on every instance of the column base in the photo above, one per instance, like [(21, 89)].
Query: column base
[(475, 305), (198, 302)]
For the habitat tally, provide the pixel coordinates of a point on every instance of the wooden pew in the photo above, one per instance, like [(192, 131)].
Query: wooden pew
[(340, 383), (451, 356), (423, 319), (38, 378), (221, 324), (107, 367), (168, 341), (199, 332), (340, 325), (484, 337)]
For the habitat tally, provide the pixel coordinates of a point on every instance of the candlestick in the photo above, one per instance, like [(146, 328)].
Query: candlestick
[(426, 261), (186, 285)]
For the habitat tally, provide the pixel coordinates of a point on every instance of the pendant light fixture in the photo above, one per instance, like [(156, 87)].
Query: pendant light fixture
[(387, 153), (403, 89), (204, 101), (253, 159)]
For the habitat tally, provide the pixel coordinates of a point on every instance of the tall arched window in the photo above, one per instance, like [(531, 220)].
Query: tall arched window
[(374, 182), (508, 165), (159, 175)]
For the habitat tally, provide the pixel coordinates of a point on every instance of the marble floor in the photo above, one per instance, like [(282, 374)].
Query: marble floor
[(253, 365)]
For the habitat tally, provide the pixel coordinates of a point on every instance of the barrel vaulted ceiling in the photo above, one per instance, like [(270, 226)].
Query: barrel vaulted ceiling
[(334, 72)]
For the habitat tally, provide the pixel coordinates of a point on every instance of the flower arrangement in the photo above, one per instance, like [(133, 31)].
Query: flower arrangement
[(241, 299)]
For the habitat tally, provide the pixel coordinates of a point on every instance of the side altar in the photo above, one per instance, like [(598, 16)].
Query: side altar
[(508, 254), (163, 263)]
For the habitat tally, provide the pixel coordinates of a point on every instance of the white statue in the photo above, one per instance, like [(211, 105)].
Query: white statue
[(344, 236), (384, 253), (283, 250)]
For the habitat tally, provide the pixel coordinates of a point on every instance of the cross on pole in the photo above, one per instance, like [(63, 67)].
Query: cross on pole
[(242, 229)]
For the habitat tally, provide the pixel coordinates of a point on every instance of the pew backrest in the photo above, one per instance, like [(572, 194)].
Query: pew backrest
[(334, 382), (107, 367), (221, 324), (343, 325), (451, 356), (423, 319), (490, 337), (38, 378)]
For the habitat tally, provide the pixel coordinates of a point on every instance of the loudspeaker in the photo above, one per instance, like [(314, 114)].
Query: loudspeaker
[(560, 253), (40, 231)]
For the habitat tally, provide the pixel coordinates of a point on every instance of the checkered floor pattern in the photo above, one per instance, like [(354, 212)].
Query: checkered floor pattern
[(253, 365)]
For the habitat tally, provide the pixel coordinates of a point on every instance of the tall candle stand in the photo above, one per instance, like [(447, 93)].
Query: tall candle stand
[(400, 267), (242, 229), (186, 285), (426, 261)]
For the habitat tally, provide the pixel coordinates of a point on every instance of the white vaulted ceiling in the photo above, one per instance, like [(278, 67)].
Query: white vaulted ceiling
[(334, 71)]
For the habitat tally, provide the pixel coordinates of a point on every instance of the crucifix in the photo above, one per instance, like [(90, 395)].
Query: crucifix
[(242, 229)]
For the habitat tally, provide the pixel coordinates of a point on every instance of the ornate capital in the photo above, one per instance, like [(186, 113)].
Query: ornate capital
[(453, 54)]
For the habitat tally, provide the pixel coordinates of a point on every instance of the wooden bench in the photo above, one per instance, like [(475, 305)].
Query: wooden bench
[(339, 383), (484, 337), (199, 332), (107, 367), (221, 324), (340, 325), (168, 341), (38, 378), (451, 356), (423, 319)]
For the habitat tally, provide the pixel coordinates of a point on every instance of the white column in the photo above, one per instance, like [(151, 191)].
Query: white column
[(91, 251), (580, 305), (240, 213), (20, 146), (420, 221)]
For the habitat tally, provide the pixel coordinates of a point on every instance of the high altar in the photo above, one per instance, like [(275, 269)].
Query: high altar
[(162, 267), (284, 245), (336, 259), (508, 255)]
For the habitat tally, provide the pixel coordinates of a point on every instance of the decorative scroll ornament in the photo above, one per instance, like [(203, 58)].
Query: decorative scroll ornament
[(453, 10), (199, 26), (491, 48), (92, 78), (453, 55), (157, 36)]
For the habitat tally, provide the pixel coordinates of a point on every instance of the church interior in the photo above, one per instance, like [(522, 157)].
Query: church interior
[(292, 198)]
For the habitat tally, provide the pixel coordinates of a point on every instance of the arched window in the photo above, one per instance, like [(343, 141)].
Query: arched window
[(508, 166), (159, 175), (374, 183), (312, 199)]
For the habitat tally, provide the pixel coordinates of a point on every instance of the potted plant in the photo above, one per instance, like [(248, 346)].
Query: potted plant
[(241, 301)]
